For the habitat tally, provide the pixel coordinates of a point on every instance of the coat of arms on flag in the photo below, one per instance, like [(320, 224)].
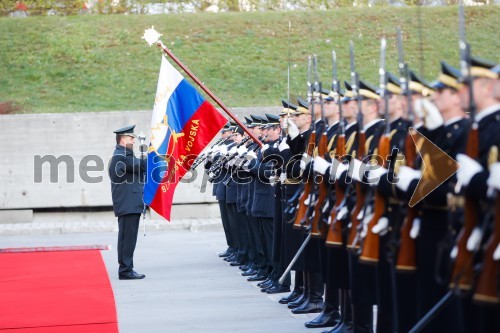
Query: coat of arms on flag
[(182, 124)]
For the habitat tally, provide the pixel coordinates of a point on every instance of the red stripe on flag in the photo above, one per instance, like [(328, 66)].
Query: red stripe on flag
[(201, 128)]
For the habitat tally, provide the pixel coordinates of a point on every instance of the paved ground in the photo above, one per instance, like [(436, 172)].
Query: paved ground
[(187, 288)]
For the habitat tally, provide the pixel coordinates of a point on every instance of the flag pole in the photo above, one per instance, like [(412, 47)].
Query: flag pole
[(206, 90)]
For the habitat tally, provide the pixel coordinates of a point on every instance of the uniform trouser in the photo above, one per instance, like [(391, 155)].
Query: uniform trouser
[(226, 225), (255, 247), (128, 226), (233, 225), (407, 298), (266, 231), (245, 251), (386, 289), (363, 288), (277, 235), (429, 289)]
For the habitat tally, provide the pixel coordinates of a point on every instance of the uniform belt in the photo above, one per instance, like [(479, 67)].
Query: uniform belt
[(432, 207), (455, 201), (393, 201), (291, 181)]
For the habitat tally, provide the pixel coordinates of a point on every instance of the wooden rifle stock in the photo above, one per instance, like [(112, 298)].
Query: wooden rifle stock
[(334, 237), (301, 218), (462, 274), (488, 283), (352, 242), (318, 227), (406, 259), (370, 251)]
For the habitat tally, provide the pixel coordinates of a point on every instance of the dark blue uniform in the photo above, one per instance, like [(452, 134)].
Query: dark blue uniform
[(127, 185)]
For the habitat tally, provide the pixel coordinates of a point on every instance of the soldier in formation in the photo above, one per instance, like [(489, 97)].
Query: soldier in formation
[(345, 208)]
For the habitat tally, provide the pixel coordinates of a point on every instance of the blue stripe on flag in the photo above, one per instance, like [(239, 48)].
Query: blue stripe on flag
[(182, 104)]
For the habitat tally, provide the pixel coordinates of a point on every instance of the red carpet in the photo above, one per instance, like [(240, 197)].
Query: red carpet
[(62, 291)]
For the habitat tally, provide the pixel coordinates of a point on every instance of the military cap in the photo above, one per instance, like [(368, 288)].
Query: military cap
[(419, 85), (480, 67), (288, 108), (128, 131), (327, 95), (303, 107), (249, 122), (367, 90), (226, 127), (256, 120), (272, 120), (348, 94), (447, 78), (239, 130), (263, 121), (393, 84)]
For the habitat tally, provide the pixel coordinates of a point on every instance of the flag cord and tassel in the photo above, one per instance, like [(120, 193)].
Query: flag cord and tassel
[(206, 90)]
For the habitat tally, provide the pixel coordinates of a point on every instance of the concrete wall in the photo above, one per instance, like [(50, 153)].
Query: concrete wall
[(73, 137)]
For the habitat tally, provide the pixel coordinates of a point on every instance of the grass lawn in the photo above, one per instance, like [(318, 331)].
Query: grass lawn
[(100, 63)]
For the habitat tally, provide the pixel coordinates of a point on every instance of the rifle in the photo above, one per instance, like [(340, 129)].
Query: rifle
[(406, 258), (204, 156), (487, 284), (215, 168), (318, 226), (334, 237), (353, 239), (301, 218), (462, 274), (370, 251), (234, 171)]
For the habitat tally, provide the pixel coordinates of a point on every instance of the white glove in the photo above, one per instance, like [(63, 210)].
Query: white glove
[(468, 168), (337, 169), (282, 177), (272, 180), (242, 150), (406, 175), (264, 148), (223, 149), (251, 155), (306, 159), (283, 145), (358, 170), (494, 178), (496, 254), (320, 165), (342, 213), (415, 228), (474, 239), (233, 150), (375, 175), (429, 113), (366, 221), (293, 130), (382, 226)]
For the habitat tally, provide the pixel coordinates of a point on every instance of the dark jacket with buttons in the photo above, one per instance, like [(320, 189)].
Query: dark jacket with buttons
[(127, 181), (263, 191)]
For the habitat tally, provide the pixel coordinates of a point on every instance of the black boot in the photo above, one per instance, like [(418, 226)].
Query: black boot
[(345, 325), (330, 316), (298, 288), (314, 303), (305, 293), (362, 318)]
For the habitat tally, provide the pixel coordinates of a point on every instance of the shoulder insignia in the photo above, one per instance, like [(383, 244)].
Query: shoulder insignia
[(492, 156), (392, 133), (349, 143), (367, 143), (330, 143)]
